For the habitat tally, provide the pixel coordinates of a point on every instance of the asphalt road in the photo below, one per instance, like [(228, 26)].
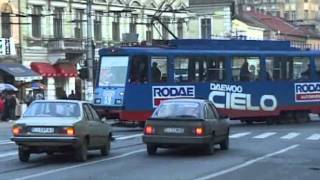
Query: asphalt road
[(259, 151)]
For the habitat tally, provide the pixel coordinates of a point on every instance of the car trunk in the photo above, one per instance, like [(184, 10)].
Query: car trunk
[(175, 127)]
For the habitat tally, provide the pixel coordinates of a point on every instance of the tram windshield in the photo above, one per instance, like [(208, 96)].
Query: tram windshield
[(113, 70)]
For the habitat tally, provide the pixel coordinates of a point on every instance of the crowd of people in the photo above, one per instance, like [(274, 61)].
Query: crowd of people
[(8, 103)]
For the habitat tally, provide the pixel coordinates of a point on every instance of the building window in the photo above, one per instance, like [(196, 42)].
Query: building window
[(306, 14), (294, 15), (57, 22), (180, 28), (116, 27), (286, 15), (149, 32), (165, 33), (78, 28), (133, 23), (36, 21), (206, 28), (98, 26), (6, 25)]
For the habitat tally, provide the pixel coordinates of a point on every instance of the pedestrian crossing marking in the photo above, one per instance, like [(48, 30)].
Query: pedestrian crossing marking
[(290, 135), (314, 137), (238, 135), (264, 135)]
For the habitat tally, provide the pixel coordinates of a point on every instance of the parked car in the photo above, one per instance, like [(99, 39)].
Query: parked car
[(61, 126), (186, 122)]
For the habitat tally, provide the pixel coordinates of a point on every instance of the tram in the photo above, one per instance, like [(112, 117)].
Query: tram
[(247, 80)]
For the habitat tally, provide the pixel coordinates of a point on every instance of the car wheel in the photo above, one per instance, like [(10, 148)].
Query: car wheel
[(209, 148), (106, 149), (24, 155), (224, 145), (151, 149), (81, 153)]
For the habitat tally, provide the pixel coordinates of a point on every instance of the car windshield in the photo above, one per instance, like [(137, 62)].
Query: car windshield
[(113, 71), (178, 109), (53, 109)]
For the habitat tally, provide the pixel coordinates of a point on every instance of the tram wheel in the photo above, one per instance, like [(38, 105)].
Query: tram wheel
[(302, 117)]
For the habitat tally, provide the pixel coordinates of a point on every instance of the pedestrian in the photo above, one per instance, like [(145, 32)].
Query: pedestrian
[(72, 96), (63, 95), (12, 106), (29, 98), (1, 105)]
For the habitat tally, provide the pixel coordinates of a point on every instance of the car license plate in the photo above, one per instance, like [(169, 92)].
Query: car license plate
[(174, 130), (42, 130)]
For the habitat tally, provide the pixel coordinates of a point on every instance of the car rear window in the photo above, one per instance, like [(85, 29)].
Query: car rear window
[(177, 109), (53, 109)]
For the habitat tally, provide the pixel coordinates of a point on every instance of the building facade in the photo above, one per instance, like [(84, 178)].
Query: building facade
[(55, 34), (211, 18), (301, 12)]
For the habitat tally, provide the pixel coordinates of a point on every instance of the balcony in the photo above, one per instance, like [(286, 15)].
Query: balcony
[(66, 45)]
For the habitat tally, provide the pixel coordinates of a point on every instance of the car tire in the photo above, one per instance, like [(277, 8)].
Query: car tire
[(151, 149), (209, 148), (24, 155), (224, 145), (81, 153), (105, 150)]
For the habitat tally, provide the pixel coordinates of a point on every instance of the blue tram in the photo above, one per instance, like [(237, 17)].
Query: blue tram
[(245, 79)]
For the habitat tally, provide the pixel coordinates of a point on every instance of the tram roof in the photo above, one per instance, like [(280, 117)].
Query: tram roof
[(214, 47)]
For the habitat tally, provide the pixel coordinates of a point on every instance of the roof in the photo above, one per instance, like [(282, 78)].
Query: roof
[(272, 22), (62, 101), (187, 100)]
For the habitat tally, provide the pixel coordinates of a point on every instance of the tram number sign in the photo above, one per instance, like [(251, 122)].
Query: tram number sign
[(161, 93), (307, 92)]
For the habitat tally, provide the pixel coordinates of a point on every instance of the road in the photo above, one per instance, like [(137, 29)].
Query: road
[(259, 151)]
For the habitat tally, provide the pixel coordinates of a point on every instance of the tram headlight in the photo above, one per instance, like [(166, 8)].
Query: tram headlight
[(122, 94), (118, 101), (97, 101)]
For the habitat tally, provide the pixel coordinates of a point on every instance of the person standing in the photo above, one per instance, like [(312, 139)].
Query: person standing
[(29, 98), (1, 105), (72, 96)]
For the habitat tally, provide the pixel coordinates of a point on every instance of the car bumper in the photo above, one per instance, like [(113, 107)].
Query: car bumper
[(169, 140), (46, 141)]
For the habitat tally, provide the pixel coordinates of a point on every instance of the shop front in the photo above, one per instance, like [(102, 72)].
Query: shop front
[(59, 78)]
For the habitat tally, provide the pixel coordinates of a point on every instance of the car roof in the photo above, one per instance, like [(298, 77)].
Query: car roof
[(187, 100), (63, 101)]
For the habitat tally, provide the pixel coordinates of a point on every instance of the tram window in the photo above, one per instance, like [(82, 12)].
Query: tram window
[(159, 71), (301, 68), (215, 69), (286, 68), (245, 68), (199, 69), (181, 70), (139, 69), (317, 62)]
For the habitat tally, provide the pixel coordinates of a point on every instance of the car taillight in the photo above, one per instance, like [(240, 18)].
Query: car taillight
[(149, 130), (199, 131), (69, 131), (16, 130)]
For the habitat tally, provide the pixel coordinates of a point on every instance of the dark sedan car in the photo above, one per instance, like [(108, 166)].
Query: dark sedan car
[(186, 122)]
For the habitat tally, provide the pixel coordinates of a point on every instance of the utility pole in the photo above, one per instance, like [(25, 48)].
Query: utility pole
[(89, 87)]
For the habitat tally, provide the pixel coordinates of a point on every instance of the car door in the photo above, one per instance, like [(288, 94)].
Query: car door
[(214, 121), (223, 123), (92, 124), (101, 128)]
